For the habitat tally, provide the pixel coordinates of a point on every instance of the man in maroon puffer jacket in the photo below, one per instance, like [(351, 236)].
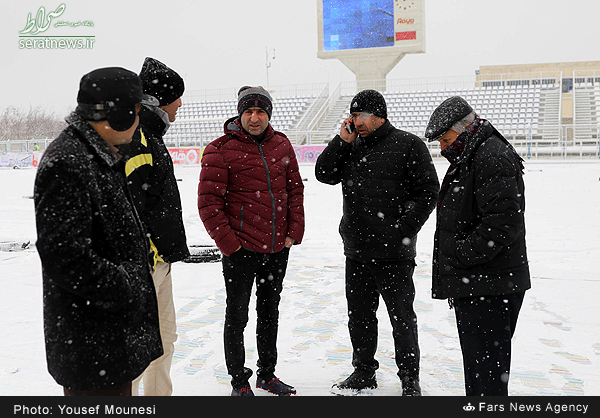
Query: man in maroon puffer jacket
[(251, 201)]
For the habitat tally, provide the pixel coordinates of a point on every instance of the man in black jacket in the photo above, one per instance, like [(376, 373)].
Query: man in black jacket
[(100, 315), (480, 257), (390, 188), (152, 183)]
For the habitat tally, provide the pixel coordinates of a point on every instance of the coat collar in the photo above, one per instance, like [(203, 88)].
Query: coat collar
[(475, 135), (155, 119), (91, 137), (375, 136), (467, 142), (233, 127)]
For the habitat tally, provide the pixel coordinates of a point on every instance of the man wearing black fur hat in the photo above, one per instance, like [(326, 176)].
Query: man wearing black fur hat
[(480, 257), (153, 185), (100, 313), (390, 188)]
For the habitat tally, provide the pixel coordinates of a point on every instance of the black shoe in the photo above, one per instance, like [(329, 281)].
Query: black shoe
[(411, 387), (244, 391), (275, 386), (358, 380)]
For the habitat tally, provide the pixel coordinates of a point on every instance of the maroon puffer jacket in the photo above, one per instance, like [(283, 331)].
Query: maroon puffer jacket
[(251, 194)]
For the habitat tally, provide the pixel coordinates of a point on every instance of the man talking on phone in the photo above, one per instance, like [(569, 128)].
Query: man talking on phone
[(390, 187)]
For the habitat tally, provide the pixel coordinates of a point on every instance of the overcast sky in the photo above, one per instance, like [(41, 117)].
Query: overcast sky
[(221, 44)]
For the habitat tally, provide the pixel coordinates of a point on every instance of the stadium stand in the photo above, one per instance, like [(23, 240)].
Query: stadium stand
[(545, 110), (523, 109), (586, 109), (513, 110), (206, 119), (201, 121)]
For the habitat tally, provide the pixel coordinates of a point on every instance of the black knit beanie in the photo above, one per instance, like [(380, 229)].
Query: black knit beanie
[(161, 82), (254, 97), (369, 101)]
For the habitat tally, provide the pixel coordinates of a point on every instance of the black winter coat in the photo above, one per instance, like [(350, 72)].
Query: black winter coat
[(390, 187), (479, 243), (154, 188), (100, 308)]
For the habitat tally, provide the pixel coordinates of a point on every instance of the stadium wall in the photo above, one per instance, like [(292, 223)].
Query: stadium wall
[(180, 156)]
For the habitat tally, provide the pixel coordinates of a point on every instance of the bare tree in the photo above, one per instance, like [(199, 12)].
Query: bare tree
[(37, 123)]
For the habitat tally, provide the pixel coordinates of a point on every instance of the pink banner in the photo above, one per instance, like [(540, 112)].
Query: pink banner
[(187, 156), (308, 153), (193, 156)]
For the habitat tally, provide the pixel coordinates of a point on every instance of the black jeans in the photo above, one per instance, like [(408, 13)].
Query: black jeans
[(486, 325), (240, 270), (394, 282)]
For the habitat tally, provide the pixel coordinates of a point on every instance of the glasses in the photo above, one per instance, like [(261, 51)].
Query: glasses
[(362, 115)]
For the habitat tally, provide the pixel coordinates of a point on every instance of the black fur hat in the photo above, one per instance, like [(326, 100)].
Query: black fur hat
[(111, 94)]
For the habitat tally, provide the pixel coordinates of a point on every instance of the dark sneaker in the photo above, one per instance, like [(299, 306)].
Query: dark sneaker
[(245, 391), (275, 386), (357, 381)]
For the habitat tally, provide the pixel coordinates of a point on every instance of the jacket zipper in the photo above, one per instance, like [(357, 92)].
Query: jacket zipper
[(270, 193), (241, 218)]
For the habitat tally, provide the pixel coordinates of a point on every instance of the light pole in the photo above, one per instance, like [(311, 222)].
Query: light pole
[(269, 55)]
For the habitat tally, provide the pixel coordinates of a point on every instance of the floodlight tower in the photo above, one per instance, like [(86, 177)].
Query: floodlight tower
[(370, 37)]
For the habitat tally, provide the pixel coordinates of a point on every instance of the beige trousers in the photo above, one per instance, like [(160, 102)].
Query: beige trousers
[(156, 377)]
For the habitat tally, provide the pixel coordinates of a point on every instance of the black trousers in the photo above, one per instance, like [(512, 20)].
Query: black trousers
[(485, 329), (240, 271), (365, 282)]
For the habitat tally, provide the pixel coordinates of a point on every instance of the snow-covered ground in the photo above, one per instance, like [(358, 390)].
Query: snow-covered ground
[(556, 349)]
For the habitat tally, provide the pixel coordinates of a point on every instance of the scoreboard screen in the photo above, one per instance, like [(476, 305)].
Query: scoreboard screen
[(354, 25)]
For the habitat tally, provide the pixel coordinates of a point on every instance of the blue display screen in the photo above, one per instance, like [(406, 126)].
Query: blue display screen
[(355, 24)]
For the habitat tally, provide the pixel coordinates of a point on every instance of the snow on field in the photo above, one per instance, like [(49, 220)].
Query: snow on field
[(556, 349)]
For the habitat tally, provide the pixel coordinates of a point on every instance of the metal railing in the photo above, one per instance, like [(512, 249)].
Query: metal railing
[(561, 148), (452, 83)]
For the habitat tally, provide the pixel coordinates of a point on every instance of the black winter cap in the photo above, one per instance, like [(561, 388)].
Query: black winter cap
[(254, 97), (369, 101), (447, 114), (161, 81), (111, 94)]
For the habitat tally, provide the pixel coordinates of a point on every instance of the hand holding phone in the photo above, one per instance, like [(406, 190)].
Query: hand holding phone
[(350, 130), (350, 127)]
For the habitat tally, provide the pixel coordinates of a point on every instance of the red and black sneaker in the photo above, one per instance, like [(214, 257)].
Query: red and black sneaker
[(275, 386), (244, 391)]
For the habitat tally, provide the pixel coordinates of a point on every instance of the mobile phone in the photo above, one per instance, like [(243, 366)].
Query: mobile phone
[(350, 127)]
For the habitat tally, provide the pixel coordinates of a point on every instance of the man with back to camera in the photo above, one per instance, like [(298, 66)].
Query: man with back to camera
[(390, 188), (100, 316), (153, 185), (251, 201), (480, 257)]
